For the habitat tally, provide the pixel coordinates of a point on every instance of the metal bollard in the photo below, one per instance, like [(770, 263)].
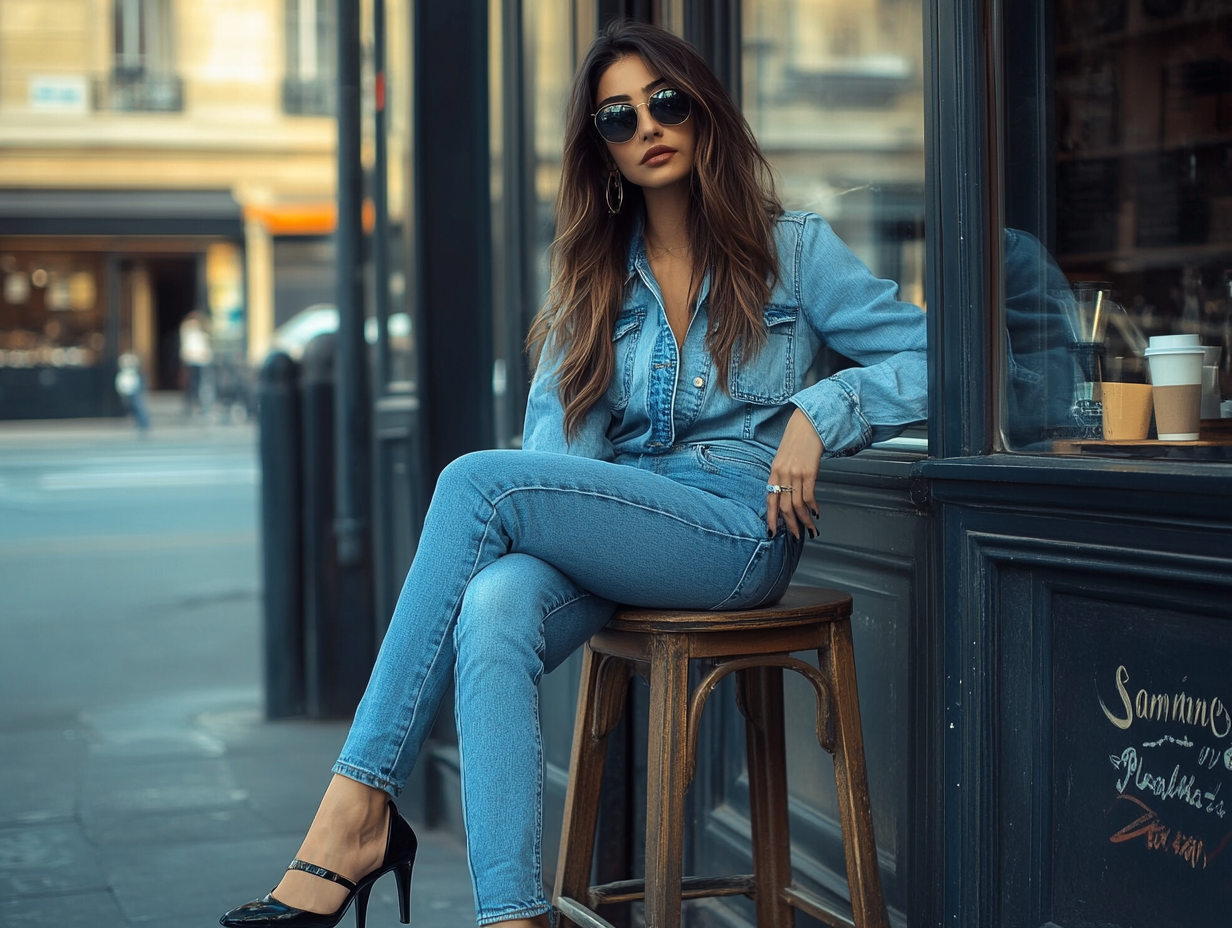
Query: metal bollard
[(338, 627), (281, 536)]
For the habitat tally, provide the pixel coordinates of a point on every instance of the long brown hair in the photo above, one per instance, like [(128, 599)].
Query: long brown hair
[(731, 222)]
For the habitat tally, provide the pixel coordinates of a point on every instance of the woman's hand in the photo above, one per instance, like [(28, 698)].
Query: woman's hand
[(795, 466)]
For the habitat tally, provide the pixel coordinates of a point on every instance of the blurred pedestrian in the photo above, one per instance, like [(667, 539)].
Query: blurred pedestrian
[(131, 386), (197, 359)]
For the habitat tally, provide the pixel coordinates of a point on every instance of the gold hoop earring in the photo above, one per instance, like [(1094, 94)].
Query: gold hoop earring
[(614, 179)]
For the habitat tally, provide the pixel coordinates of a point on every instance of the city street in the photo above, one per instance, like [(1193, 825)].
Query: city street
[(139, 782)]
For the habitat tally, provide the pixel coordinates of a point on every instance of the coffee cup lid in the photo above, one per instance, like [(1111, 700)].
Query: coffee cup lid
[(1179, 349), (1188, 340)]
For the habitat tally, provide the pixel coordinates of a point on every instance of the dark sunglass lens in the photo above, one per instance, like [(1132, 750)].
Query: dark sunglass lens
[(617, 123), (670, 107)]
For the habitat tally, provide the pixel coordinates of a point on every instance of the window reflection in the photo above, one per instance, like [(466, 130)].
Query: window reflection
[(1118, 153), (534, 54), (832, 88)]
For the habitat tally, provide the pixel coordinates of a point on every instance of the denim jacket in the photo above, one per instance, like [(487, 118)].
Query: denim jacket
[(661, 398)]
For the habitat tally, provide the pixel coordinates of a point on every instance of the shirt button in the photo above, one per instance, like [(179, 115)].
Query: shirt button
[(698, 382)]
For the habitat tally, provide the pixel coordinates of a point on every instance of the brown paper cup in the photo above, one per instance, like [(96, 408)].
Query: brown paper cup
[(1127, 411), (1176, 411)]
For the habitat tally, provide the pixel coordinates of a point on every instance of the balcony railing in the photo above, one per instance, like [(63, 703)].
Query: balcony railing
[(308, 97), (140, 91)]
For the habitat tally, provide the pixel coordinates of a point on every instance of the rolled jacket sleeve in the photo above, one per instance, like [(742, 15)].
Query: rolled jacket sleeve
[(544, 429), (858, 316)]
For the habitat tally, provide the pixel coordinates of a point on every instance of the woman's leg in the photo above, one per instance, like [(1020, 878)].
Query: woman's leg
[(518, 615), (623, 533), (347, 836)]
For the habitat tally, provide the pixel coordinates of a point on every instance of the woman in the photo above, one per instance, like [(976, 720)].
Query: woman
[(669, 457)]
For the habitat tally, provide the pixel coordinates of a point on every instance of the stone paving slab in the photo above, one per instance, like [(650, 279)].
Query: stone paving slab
[(30, 793), (78, 910), (40, 860)]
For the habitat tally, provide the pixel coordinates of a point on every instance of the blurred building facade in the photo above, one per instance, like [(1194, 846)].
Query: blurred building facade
[(155, 152), (157, 157)]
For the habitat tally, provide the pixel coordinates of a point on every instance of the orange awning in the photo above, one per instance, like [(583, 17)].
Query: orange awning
[(320, 218)]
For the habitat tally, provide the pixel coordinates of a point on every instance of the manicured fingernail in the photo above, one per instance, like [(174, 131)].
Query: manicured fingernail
[(816, 514), (811, 533), (769, 533)]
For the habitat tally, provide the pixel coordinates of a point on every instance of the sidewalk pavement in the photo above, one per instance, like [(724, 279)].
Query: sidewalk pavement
[(168, 421), (167, 813), (140, 784)]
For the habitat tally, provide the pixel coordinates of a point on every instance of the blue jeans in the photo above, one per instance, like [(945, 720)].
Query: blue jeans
[(524, 556)]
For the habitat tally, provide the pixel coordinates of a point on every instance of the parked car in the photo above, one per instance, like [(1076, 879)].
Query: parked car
[(294, 335)]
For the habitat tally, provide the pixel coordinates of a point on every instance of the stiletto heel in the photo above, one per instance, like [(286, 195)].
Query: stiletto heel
[(361, 906), (400, 847), (403, 875)]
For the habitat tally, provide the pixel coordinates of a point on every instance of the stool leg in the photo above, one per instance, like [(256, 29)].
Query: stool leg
[(600, 695), (762, 691), (850, 774), (665, 785)]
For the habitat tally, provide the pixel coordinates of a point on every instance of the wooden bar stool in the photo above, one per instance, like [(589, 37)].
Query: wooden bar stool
[(755, 645)]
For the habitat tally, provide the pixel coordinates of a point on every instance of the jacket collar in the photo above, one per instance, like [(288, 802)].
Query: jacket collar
[(639, 261), (637, 245)]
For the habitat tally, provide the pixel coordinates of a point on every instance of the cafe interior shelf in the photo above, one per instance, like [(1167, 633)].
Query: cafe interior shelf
[(1142, 259), (1178, 146), (1141, 27)]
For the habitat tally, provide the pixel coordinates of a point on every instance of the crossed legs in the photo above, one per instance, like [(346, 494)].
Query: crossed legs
[(500, 591)]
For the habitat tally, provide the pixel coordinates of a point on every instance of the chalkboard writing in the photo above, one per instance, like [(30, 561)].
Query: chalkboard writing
[(1142, 767)]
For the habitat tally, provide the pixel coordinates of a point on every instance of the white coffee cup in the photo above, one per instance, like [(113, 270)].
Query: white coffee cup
[(1176, 376)]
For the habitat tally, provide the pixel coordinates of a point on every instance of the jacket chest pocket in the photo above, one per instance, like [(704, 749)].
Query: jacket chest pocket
[(768, 377), (625, 337)]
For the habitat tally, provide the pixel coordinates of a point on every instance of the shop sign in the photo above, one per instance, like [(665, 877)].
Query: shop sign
[(1142, 770), (58, 93)]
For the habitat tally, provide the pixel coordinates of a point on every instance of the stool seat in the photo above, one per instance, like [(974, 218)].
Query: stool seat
[(756, 645), (800, 605)]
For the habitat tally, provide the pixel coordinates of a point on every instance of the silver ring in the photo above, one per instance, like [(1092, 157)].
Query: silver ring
[(777, 488)]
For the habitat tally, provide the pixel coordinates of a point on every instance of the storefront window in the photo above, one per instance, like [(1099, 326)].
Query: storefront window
[(52, 311), (1117, 271), (533, 59), (833, 91)]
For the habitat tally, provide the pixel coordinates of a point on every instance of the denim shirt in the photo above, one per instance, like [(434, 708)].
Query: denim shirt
[(661, 398)]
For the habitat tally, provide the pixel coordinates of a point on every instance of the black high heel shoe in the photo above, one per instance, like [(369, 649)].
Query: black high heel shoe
[(400, 847)]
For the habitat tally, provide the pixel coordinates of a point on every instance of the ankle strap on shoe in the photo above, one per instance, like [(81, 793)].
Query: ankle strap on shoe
[(324, 874)]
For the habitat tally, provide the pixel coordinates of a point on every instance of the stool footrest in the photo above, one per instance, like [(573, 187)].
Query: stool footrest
[(814, 905), (579, 914), (691, 887)]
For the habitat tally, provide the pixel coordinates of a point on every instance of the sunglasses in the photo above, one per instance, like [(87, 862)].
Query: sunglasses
[(617, 122)]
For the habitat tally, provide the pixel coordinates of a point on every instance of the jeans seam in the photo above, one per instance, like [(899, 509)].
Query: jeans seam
[(539, 908), (616, 499), (569, 602), (539, 805), (761, 545), (418, 701), (367, 777), (462, 790)]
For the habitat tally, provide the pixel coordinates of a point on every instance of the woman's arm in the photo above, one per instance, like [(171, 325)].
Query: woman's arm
[(544, 429), (795, 466), (858, 316)]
